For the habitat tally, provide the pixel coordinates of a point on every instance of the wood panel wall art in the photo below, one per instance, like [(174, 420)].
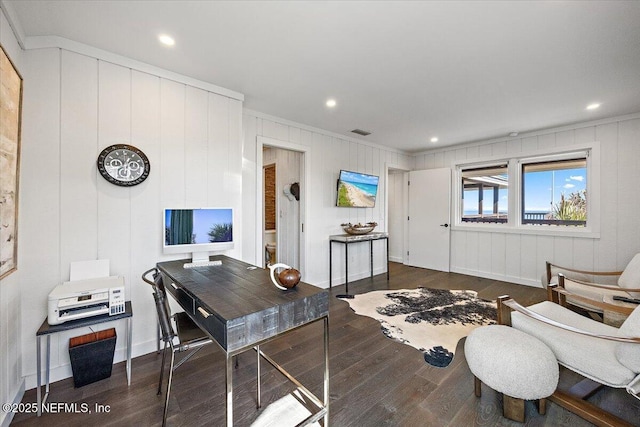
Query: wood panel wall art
[(10, 120)]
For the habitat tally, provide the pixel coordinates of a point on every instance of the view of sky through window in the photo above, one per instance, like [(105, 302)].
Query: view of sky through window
[(542, 189)]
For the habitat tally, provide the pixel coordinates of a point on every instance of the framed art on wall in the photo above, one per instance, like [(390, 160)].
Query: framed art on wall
[(10, 121)]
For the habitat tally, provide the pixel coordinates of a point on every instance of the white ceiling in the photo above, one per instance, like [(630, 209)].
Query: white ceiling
[(405, 71)]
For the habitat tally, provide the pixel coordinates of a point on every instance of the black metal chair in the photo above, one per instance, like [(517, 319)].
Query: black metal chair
[(190, 336)]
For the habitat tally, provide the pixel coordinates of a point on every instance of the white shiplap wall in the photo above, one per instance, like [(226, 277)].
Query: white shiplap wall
[(328, 153), (78, 105), (520, 258), (11, 382)]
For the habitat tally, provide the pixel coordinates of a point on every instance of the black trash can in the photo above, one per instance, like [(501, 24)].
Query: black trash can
[(92, 356)]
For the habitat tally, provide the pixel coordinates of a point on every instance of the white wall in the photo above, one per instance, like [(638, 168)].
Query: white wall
[(328, 153), (520, 258), (76, 106), (11, 382), (287, 211)]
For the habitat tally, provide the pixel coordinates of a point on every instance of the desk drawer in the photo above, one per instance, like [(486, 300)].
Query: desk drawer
[(212, 324), (184, 299)]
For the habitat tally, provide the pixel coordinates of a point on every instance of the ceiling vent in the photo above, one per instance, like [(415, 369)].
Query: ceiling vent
[(361, 132)]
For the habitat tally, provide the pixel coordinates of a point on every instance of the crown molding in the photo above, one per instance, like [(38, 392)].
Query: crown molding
[(544, 131), (14, 22), (280, 120), (55, 42)]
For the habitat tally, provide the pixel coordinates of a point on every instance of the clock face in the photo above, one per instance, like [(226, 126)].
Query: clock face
[(123, 165)]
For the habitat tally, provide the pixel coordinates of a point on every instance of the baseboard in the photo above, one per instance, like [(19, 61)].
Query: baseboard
[(511, 279), (396, 259), (8, 416)]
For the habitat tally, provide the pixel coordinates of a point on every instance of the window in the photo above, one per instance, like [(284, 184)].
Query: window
[(555, 192), (485, 194), (550, 192)]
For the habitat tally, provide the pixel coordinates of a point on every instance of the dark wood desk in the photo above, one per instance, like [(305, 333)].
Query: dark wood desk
[(240, 308), (47, 330)]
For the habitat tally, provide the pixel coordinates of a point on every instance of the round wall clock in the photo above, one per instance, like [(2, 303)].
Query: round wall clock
[(124, 165)]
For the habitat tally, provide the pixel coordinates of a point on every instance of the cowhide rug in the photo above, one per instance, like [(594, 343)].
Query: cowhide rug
[(431, 320)]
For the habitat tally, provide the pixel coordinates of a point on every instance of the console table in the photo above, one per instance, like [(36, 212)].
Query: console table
[(346, 240), (47, 330), (238, 306)]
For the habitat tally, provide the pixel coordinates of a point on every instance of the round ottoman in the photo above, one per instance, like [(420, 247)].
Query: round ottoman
[(513, 363)]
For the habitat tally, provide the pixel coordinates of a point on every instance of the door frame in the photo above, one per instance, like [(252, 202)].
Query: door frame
[(305, 177), (405, 204)]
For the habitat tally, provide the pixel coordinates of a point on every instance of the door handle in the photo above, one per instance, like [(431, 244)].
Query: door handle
[(444, 225)]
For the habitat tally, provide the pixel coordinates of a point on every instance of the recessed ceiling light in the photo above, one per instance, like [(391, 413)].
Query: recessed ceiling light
[(434, 139), (166, 40), (331, 103), (593, 106), (513, 134)]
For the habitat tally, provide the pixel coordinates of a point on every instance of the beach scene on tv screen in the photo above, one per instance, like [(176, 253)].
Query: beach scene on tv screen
[(357, 190)]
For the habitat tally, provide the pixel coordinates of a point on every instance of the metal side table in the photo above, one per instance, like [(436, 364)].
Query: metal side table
[(346, 240)]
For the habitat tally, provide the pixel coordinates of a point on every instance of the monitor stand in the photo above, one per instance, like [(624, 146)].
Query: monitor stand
[(198, 259)]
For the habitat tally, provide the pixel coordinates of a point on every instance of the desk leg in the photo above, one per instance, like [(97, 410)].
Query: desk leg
[(330, 261), (129, 334), (229, 377), (258, 375), (326, 369)]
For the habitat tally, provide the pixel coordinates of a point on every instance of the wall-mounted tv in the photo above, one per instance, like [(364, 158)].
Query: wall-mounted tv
[(199, 231), (356, 190)]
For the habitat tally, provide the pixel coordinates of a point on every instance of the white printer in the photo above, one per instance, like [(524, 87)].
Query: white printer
[(85, 298)]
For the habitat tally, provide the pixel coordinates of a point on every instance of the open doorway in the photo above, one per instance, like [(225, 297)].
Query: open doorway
[(291, 175), (270, 209), (397, 205), (281, 205)]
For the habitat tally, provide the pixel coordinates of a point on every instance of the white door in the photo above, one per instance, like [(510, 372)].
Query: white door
[(429, 218)]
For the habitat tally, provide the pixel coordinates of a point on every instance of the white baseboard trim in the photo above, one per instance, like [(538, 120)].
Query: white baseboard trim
[(396, 259), (511, 279), (8, 416)]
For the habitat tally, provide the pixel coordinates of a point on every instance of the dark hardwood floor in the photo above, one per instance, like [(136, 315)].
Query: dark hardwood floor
[(374, 380)]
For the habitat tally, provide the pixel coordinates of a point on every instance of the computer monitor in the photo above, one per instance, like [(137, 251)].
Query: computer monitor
[(197, 231)]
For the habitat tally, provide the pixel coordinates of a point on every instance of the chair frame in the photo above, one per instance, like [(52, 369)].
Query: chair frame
[(167, 337), (550, 265), (574, 399), (591, 307)]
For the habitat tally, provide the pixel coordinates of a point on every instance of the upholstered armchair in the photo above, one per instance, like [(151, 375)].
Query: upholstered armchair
[(595, 285), (602, 354)]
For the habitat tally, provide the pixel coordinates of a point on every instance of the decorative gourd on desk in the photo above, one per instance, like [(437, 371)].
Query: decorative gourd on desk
[(287, 278)]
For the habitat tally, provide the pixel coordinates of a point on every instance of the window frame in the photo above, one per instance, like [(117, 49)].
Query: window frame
[(514, 222), (481, 220), (581, 156)]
